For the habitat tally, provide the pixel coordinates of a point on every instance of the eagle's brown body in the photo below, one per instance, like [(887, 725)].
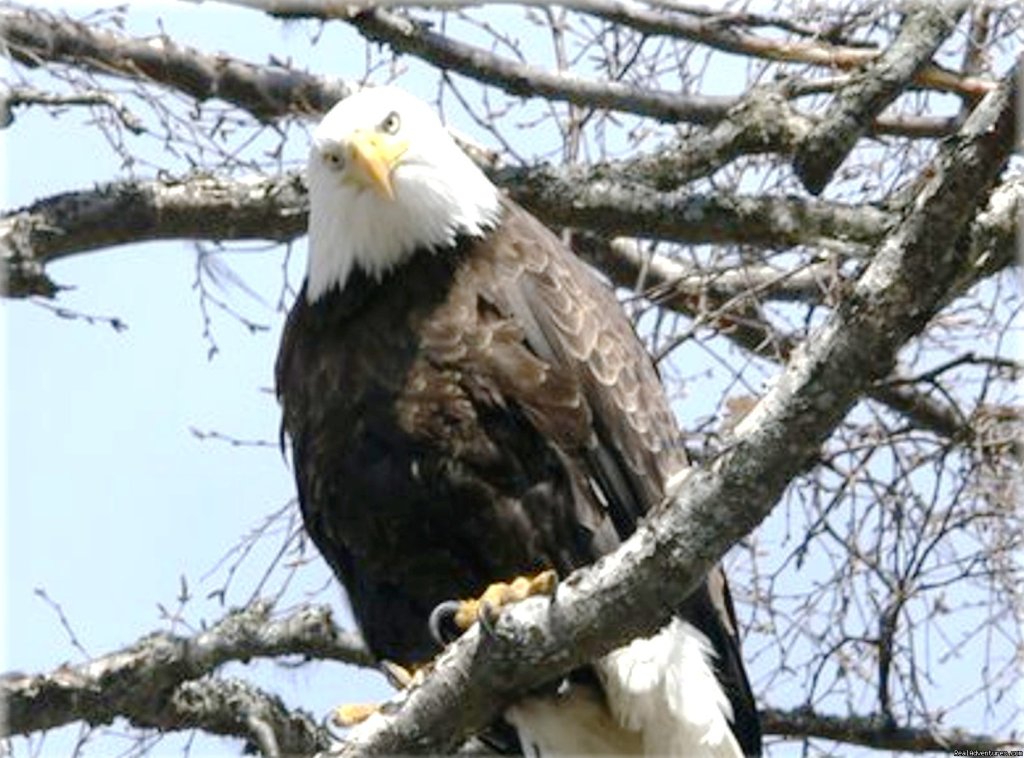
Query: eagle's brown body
[(476, 414)]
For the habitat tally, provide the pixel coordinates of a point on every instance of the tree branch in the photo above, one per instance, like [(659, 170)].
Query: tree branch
[(198, 207), (35, 37), (235, 708), (624, 595), (853, 109), (139, 681), (728, 32), (11, 98), (202, 207), (874, 732), (606, 201), (405, 35)]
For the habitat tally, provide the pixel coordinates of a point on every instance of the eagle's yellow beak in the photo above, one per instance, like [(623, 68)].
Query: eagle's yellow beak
[(372, 156)]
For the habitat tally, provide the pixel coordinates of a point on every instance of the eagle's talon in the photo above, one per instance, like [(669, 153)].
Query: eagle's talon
[(549, 581), (487, 617), (444, 615), (397, 675), (328, 725)]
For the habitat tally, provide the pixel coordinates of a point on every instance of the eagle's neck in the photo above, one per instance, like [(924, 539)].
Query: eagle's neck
[(352, 228)]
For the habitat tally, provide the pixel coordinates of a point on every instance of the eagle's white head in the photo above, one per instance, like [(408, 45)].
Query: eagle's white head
[(386, 180)]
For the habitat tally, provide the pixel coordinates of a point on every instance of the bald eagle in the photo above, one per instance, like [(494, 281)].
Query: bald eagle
[(466, 402)]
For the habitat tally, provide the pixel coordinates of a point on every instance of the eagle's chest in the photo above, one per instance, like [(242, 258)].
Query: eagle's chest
[(390, 393), (399, 370)]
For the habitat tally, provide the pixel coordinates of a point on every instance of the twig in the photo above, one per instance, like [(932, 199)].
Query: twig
[(17, 96)]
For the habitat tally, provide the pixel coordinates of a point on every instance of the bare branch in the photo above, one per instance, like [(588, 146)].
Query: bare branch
[(874, 732), (624, 595), (18, 96), (609, 202), (234, 708), (138, 680), (728, 32), (407, 35), (209, 208), (872, 90), (194, 208), (34, 37)]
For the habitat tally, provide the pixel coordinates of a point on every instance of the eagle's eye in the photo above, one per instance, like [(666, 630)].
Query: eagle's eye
[(334, 159), (391, 123)]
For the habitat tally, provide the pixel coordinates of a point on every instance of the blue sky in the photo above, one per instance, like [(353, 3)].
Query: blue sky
[(110, 497)]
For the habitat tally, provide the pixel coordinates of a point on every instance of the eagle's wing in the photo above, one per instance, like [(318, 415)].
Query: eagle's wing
[(561, 351), (574, 322)]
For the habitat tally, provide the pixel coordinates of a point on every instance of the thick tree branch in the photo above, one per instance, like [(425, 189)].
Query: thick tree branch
[(608, 202), (139, 681), (35, 38), (194, 208), (851, 112), (625, 595), (215, 209)]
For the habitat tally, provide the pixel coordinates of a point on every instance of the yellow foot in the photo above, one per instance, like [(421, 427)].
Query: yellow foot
[(351, 714), (500, 594)]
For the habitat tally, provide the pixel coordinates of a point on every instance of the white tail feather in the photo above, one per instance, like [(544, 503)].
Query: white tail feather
[(661, 698)]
